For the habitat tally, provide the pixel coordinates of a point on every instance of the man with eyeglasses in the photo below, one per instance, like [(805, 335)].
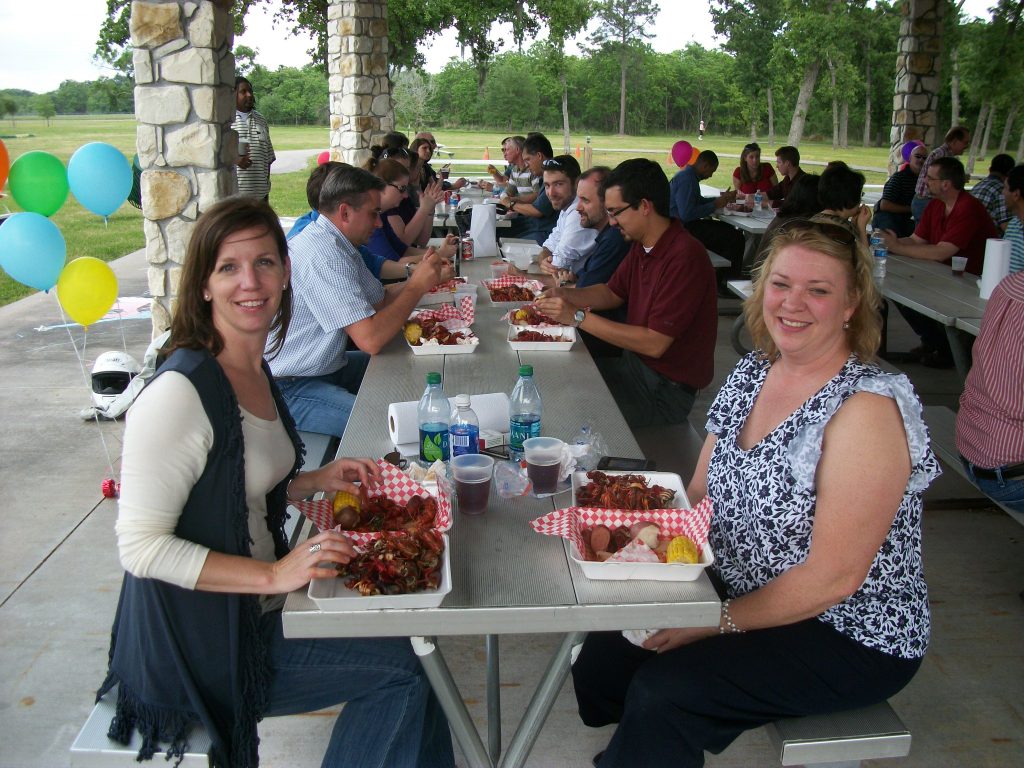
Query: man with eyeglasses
[(892, 211), (534, 220), (335, 297), (990, 190), (957, 139), (667, 285), (953, 224)]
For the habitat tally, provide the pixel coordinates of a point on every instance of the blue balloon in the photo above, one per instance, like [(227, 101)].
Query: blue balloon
[(100, 177), (32, 250)]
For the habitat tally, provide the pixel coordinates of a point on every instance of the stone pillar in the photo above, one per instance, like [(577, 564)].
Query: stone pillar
[(184, 104), (915, 102), (357, 67)]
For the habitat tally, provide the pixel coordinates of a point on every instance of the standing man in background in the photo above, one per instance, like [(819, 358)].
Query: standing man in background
[(255, 151)]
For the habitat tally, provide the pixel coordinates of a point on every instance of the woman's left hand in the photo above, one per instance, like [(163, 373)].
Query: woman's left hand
[(338, 475), (668, 639)]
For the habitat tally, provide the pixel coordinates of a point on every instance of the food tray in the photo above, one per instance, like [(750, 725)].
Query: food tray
[(447, 296), (535, 287), (669, 480), (566, 333), (608, 571), (332, 594), (446, 349)]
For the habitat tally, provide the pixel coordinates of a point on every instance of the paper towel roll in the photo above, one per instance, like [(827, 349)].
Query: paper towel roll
[(997, 265), (404, 426)]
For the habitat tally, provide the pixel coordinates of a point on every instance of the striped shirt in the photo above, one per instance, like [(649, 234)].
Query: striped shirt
[(254, 181), (331, 290), (1015, 234), (922, 178), (990, 423)]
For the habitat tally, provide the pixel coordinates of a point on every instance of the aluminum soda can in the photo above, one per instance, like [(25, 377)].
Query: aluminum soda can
[(447, 197), (467, 248)]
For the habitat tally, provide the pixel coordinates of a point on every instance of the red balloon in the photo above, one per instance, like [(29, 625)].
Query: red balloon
[(323, 157), (5, 164), (681, 152)]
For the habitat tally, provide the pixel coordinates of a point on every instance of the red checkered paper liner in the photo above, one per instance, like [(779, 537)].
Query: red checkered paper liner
[(549, 323), (465, 310), (449, 285), (397, 486), (569, 522), (506, 280)]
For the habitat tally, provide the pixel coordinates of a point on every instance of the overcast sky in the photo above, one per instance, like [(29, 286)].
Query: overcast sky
[(45, 42)]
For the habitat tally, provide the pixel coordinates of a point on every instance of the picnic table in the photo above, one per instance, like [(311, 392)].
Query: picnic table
[(506, 578)]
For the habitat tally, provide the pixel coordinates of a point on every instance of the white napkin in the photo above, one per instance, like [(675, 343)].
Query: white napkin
[(404, 425)]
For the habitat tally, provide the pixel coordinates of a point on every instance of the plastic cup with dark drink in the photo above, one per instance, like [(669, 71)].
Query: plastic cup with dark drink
[(959, 265), (472, 474), (543, 461), (444, 173)]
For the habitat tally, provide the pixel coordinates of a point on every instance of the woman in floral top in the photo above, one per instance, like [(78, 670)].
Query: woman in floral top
[(815, 462)]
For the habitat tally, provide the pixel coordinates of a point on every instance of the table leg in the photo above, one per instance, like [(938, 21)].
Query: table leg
[(960, 350), (451, 702), (493, 699), (540, 705)]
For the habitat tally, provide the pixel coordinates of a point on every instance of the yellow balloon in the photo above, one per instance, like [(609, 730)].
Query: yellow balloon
[(87, 289)]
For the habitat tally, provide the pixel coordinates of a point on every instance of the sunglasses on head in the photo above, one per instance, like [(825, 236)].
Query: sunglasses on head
[(552, 163), (837, 233)]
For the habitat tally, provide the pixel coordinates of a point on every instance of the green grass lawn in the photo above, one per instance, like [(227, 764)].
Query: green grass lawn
[(86, 234)]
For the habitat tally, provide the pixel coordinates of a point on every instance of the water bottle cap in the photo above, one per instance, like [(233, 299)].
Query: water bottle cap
[(462, 401), (526, 370), (433, 377)]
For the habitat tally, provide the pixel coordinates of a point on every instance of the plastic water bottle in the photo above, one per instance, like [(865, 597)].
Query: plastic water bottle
[(464, 433), (758, 200), (586, 460), (434, 413), (526, 409), (881, 255)]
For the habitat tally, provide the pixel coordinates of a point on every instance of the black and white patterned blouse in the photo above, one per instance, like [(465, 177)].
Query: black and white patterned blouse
[(764, 501)]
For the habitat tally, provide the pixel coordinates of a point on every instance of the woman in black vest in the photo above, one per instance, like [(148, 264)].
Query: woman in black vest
[(210, 457)]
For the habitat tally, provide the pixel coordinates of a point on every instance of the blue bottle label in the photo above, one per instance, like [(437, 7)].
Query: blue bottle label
[(433, 443), (464, 438)]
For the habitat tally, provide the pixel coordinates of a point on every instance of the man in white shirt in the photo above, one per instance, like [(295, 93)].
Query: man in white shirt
[(255, 151), (569, 243), (335, 297)]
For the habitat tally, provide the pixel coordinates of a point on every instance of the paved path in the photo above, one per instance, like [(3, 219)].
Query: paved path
[(290, 160)]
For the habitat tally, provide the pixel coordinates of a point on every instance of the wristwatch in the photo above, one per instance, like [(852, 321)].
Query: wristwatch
[(579, 317), (408, 270), (512, 204)]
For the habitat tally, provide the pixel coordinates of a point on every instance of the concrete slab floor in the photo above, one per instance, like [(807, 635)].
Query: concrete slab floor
[(59, 580)]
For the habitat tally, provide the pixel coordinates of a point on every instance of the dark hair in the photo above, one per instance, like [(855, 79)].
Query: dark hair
[(1001, 164), (239, 80), (745, 176), (347, 185), (840, 187), (414, 148), (538, 143), (316, 181), (789, 154), (1015, 179), (566, 164), (598, 173), (395, 139), (192, 325), (952, 170), (390, 170), (802, 199), (640, 179), (957, 133), (379, 152), (709, 158)]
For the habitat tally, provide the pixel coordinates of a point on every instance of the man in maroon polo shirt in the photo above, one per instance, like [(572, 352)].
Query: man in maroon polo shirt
[(955, 223), (667, 284)]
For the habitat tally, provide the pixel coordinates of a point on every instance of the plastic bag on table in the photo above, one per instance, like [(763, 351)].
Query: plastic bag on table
[(588, 448), (510, 480)]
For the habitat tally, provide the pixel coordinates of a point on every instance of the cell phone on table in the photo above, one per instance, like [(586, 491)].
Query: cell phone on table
[(621, 463)]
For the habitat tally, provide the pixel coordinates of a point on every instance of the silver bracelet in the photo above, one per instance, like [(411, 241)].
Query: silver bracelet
[(725, 624)]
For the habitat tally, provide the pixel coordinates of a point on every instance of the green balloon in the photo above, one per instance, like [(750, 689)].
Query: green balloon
[(39, 182)]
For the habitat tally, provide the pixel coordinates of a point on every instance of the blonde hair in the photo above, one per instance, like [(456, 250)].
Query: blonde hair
[(864, 332)]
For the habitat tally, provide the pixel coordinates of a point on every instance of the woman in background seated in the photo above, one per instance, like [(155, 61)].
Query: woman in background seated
[(800, 203), (815, 462), (385, 241), (210, 457), (753, 175), (839, 193)]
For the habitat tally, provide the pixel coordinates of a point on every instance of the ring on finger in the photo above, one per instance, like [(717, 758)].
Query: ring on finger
[(314, 548)]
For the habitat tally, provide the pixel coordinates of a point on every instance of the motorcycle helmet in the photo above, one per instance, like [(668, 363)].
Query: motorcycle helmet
[(111, 374)]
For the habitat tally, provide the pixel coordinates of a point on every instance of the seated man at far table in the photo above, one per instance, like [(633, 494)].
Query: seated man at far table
[(516, 175), (954, 224), (990, 190), (694, 212), (787, 161), (334, 297), (1013, 194), (667, 284), (533, 220)]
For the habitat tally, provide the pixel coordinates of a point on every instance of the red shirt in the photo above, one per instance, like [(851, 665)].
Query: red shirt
[(967, 227), (990, 423), (764, 183), (671, 290)]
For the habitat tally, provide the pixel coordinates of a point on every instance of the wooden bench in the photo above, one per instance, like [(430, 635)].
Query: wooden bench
[(842, 739), (941, 423), (93, 749)]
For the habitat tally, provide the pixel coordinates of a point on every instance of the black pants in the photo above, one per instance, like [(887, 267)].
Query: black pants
[(723, 239), (932, 333), (673, 706)]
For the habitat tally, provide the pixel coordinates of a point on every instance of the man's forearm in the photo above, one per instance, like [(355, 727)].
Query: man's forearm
[(906, 246), (593, 296), (635, 338)]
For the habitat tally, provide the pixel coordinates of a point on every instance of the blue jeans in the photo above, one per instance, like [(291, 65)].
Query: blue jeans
[(322, 404), (1009, 493), (391, 718)]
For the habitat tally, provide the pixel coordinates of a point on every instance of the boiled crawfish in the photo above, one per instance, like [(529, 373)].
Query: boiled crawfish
[(512, 293), (379, 513), (397, 563), (622, 492)]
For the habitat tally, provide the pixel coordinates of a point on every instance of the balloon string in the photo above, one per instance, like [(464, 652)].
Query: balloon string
[(88, 382), (120, 324)]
